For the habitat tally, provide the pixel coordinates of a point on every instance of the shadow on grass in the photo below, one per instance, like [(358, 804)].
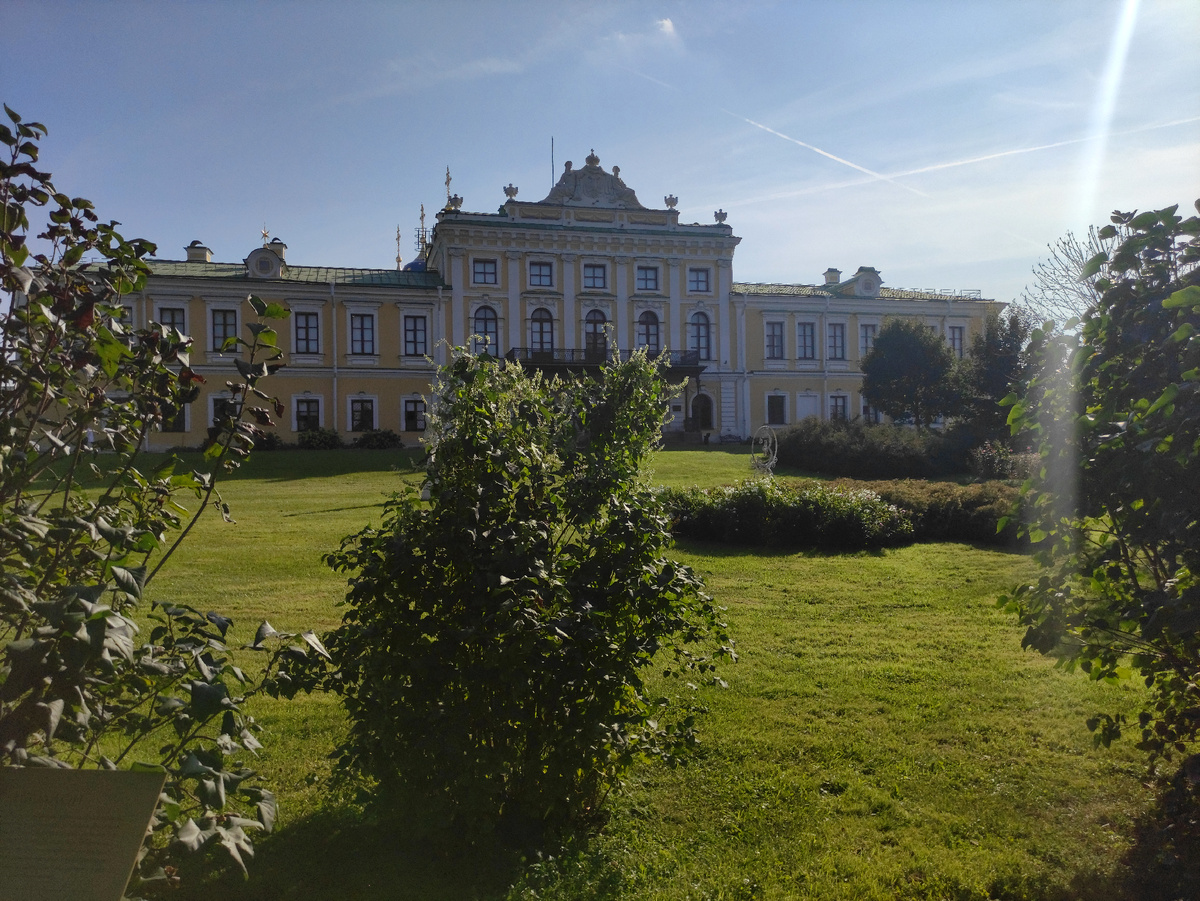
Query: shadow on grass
[(1164, 863), (344, 855)]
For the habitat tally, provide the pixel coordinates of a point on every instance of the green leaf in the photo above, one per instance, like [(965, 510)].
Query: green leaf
[(1092, 266), (1167, 397), (276, 311), (257, 304), (1188, 297)]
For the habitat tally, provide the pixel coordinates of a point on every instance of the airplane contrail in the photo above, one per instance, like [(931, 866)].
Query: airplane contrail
[(825, 153)]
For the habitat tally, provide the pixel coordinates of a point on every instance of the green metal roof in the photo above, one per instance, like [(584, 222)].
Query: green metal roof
[(309, 275)]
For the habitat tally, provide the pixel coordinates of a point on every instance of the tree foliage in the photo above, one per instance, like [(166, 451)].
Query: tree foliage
[(1058, 292), (83, 531), (910, 373), (496, 650), (994, 368), (1116, 410)]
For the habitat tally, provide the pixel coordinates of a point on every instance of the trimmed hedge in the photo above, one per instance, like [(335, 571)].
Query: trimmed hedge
[(319, 439), (767, 513), (863, 451), (945, 511), (379, 439)]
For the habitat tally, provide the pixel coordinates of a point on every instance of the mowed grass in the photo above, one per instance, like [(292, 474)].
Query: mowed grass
[(883, 735)]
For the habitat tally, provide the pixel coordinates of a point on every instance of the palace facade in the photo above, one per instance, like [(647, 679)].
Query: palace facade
[(558, 284)]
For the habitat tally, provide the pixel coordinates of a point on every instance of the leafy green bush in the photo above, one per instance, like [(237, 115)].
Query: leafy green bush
[(270, 441), (319, 439), (80, 541), (945, 511), (379, 439), (493, 654), (766, 513), (863, 451)]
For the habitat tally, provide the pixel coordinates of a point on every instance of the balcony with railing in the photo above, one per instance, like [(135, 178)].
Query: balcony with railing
[(576, 359)]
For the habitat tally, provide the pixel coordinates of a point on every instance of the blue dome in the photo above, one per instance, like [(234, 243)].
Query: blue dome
[(415, 266)]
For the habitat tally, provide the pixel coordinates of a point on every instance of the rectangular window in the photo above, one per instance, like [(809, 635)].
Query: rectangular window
[(647, 278), (837, 341), (776, 414), (307, 333), (838, 407), (362, 333), (308, 414), (595, 276), (870, 414), (957, 336), (176, 423), (223, 408), (541, 275), (866, 340), (362, 414), (699, 281), (224, 327), (774, 341), (484, 272), (414, 415), (415, 344), (806, 341), (172, 317)]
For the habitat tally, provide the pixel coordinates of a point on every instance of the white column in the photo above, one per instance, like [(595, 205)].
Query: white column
[(676, 302), (570, 309), (724, 287)]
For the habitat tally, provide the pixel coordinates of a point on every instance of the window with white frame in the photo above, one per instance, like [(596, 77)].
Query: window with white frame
[(595, 276), (866, 339), (870, 414), (837, 341), (648, 333), (415, 336), (647, 278), (485, 272), (222, 408), (308, 332), (487, 330), (224, 327), (173, 317), (699, 281), (773, 341), (414, 415), (362, 333), (700, 335), (176, 423), (839, 407), (362, 414), (806, 341), (776, 409), (541, 331), (595, 335), (308, 414), (541, 275), (957, 339)]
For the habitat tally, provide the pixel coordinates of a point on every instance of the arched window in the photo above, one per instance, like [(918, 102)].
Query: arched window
[(702, 412), (647, 333), (541, 331), (699, 336), (595, 337), (487, 331)]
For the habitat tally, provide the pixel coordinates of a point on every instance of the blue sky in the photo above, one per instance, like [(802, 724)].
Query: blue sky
[(945, 143)]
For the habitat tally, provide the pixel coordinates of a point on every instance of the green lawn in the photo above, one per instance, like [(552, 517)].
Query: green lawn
[(883, 736)]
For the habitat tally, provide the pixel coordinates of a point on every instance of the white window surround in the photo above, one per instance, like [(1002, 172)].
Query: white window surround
[(360, 308), (643, 282), (589, 270), (181, 304), (296, 398), (699, 280), (303, 306), (210, 306), (783, 400), (774, 344), (350, 410)]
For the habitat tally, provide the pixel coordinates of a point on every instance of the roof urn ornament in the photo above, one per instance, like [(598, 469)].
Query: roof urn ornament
[(720, 216), (670, 200), (510, 191), (454, 203)]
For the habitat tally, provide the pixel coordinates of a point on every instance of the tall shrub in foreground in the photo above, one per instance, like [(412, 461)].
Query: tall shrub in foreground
[(497, 644), (1120, 411), (83, 530)]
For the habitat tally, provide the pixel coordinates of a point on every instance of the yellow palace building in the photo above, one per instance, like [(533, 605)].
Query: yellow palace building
[(560, 285)]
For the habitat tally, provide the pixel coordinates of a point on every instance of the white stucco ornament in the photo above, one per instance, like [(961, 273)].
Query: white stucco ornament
[(591, 186)]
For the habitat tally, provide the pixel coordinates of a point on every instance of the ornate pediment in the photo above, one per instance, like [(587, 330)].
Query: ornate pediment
[(591, 186)]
